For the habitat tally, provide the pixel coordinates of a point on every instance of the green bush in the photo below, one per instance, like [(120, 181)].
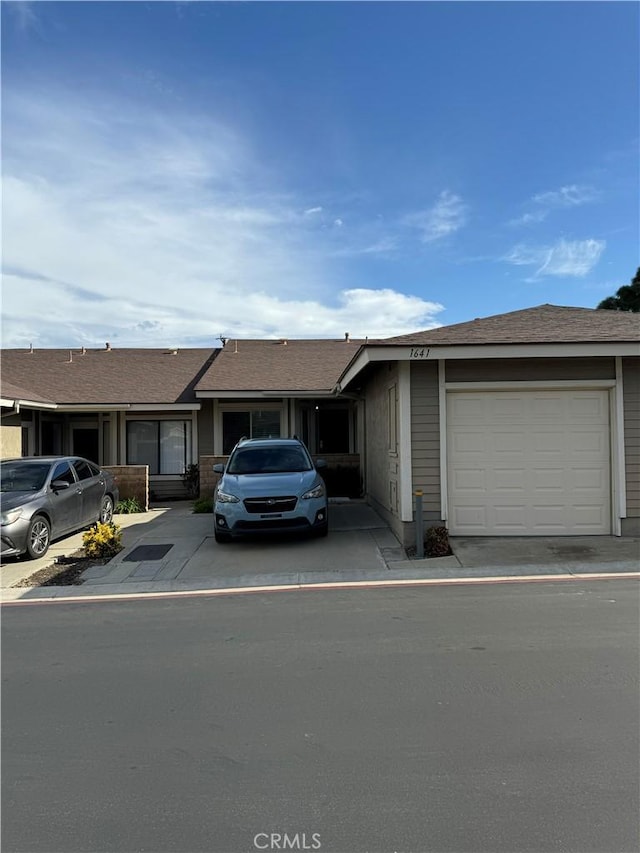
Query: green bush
[(191, 480), (127, 506), (102, 540), (436, 542), (203, 505)]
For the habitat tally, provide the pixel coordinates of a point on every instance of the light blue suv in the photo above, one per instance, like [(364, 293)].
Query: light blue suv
[(269, 486)]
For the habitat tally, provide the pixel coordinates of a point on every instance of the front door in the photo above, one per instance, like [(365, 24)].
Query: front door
[(333, 430)]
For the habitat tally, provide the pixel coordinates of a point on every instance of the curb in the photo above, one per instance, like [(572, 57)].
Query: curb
[(138, 591)]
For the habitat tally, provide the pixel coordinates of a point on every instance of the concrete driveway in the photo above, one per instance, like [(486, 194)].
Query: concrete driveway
[(554, 552), (179, 546), (170, 548)]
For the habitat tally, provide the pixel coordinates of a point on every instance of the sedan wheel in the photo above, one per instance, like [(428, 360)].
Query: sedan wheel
[(106, 510), (38, 537)]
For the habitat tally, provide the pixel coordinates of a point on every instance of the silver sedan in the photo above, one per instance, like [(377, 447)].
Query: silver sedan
[(47, 497)]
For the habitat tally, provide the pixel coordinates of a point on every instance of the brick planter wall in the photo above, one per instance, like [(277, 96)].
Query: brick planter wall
[(132, 482), (209, 480)]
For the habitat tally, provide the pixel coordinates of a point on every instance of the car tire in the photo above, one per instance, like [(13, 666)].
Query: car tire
[(221, 538), (106, 510), (38, 537)]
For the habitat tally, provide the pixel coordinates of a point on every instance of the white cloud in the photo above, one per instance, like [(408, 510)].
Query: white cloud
[(565, 258), (569, 196), (23, 12), (573, 195), (530, 218), (445, 217), (155, 229), (575, 258)]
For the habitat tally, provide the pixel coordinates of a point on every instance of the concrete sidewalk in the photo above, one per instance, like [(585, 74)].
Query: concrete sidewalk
[(171, 549)]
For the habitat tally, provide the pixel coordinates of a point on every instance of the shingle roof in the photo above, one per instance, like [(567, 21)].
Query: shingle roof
[(272, 365), (12, 392), (103, 376), (542, 324)]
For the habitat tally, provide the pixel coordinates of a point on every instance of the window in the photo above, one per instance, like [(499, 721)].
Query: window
[(85, 470), (63, 472), (165, 446), (258, 423)]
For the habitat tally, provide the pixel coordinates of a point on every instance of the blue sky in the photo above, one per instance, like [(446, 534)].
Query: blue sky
[(173, 171)]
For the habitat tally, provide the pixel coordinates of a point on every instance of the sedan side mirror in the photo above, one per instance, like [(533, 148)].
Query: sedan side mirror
[(59, 485), (218, 468), (321, 463)]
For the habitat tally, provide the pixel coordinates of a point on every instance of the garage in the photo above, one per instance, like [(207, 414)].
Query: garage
[(528, 462)]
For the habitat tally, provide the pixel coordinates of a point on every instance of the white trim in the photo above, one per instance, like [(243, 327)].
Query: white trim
[(113, 437), (247, 406), (360, 362), (617, 492), (164, 407), (31, 433), (93, 407), (617, 435), (404, 412), (442, 418), (262, 394), (159, 415), (217, 429), (560, 349), (531, 384), (195, 455), (122, 432), (6, 402)]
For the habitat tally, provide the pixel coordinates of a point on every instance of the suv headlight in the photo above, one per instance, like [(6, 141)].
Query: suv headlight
[(10, 516), (226, 498), (317, 492)]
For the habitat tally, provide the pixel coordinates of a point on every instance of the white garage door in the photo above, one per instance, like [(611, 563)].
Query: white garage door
[(528, 463)]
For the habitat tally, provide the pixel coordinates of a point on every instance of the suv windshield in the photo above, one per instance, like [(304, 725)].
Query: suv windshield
[(269, 460), (23, 476)]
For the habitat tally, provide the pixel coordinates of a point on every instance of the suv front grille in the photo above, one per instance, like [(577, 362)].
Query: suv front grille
[(275, 504)]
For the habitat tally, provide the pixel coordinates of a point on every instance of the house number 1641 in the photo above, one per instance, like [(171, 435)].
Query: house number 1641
[(419, 352)]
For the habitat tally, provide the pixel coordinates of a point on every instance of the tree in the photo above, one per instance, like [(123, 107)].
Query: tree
[(627, 297)]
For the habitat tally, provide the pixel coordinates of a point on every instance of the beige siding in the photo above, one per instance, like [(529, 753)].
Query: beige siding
[(496, 370), (425, 436), (10, 438), (631, 394)]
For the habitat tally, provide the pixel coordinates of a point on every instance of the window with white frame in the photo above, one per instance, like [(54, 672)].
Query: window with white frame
[(251, 423), (163, 445)]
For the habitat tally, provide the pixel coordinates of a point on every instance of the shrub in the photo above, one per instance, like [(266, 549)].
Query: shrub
[(102, 540), (203, 505), (127, 506), (191, 480), (436, 542)]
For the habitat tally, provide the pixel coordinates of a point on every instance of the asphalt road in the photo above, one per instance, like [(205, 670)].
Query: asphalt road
[(495, 718)]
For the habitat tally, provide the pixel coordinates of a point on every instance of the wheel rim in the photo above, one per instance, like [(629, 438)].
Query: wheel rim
[(107, 510), (39, 538)]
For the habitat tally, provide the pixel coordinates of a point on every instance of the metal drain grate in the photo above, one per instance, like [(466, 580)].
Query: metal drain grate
[(144, 553)]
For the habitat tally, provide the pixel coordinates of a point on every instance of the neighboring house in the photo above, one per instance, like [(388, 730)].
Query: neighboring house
[(525, 423), (113, 406), (168, 408)]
